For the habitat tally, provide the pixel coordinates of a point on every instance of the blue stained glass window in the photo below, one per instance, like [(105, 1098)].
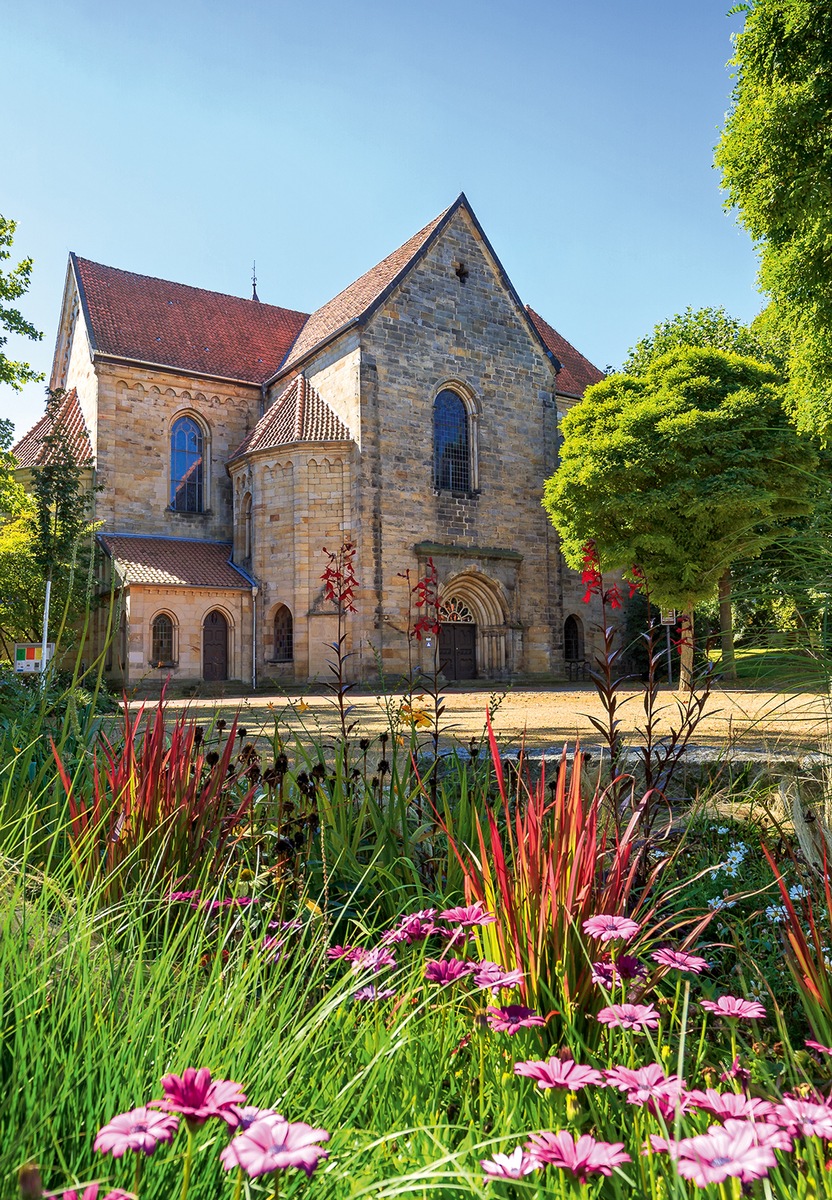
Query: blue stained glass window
[(186, 466), (451, 456)]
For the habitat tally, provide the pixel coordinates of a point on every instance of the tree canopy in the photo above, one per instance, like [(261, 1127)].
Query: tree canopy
[(704, 327), (682, 470), (14, 283), (775, 155)]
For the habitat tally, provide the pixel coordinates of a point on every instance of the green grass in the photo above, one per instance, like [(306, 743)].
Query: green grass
[(778, 670)]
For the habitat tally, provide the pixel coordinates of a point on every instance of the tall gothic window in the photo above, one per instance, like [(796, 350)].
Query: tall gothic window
[(284, 650), (161, 651), (187, 467), (451, 444)]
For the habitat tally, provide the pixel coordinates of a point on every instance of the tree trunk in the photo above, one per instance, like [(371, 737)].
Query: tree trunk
[(726, 628), (686, 658)]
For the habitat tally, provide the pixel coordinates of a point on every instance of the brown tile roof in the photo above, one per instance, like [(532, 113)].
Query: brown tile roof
[(173, 562), (577, 372), (30, 451), (300, 415), (152, 320), (354, 301)]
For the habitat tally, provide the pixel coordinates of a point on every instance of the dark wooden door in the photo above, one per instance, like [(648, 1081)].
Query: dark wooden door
[(214, 648), (457, 650)]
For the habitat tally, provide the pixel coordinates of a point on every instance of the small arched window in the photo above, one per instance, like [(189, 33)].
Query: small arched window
[(247, 525), (284, 650), (451, 444), (573, 640), (187, 466), (161, 650)]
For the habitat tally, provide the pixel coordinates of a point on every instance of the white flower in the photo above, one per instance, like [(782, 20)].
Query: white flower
[(798, 892), (718, 902), (776, 913)]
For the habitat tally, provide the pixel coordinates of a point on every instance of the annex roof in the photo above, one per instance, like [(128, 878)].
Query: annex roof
[(31, 451), (169, 324), (173, 562), (300, 415), (576, 373)]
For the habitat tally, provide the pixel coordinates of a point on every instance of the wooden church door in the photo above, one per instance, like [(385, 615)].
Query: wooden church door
[(214, 648)]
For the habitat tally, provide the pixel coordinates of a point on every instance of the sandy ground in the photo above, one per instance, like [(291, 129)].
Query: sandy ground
[(547, 716)]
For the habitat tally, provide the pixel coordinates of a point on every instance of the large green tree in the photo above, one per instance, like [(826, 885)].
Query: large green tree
[(702, 328), (682, 470), (775, 155), (14, 283)]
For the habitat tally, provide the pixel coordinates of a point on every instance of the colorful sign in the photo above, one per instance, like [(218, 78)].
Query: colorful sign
[(668, 616), (28, 656)]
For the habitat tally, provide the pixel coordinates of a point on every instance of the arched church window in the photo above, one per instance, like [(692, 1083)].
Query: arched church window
[(451, 444), (284, 650), (456, 611), (573, 640), (161, 649), (187, 466)]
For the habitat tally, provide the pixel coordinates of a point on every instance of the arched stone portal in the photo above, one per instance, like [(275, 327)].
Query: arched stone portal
[(474, 628)]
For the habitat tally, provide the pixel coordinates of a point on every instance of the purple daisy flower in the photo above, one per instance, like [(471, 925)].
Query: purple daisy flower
[(446, 971), (275, 1144), (609, 928), (637, 1017), (140, 1130), (512, 1018)]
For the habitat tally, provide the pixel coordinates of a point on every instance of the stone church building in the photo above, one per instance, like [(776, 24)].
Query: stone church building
[(414, 414)]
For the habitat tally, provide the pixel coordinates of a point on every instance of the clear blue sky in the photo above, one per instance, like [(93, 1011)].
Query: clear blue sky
[(185, 138)]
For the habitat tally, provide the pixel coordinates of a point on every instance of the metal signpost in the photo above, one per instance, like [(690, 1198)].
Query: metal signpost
[(668, 619)]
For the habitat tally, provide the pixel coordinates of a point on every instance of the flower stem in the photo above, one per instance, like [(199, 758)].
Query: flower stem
[(137, 1174), (276, 1192), (186, 1172), (238, 1186)]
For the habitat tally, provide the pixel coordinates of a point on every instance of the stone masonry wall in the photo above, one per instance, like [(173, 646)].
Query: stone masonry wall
[(188, 607), (136, 408), (436, 331)]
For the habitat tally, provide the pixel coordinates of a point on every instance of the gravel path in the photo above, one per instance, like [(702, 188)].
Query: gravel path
[(550, 716)]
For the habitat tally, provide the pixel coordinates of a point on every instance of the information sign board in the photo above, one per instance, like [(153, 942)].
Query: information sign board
[(28, 657)]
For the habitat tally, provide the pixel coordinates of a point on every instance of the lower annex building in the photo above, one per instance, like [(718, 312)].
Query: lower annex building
[(415, 414)]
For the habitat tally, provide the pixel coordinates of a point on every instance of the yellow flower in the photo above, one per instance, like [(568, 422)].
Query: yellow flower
[(418, 717), (301, 706)]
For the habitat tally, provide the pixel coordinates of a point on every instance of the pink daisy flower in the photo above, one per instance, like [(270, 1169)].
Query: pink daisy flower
[(177, 897), (731, 1104), (373, 960), (373, 994), (609, 974), (347, 952), (582, 1157), (804, 1118), (818, 1046), (512, 1017), (89, 1193), (661, 1093), (509, 1166), (250, 1113), (716, 1156), (140, 1130), (559, 1073), (661, 1145), (609, 928), (734, 1007), (680, 961), (473, 914), (765, 1134), (275, 1144), (196, 1097), (415, 928), (446, 971), (637, 1017), (494, 977)]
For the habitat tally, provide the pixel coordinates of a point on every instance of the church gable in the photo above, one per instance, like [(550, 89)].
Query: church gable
[(457, 287)]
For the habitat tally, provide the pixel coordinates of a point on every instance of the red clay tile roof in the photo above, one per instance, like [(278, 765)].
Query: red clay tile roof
[(30, 451), (577, 372), (300, 415), (154, 321), (173, 562), (354, 301)]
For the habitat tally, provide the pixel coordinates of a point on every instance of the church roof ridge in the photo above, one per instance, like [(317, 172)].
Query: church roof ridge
[(354, 302), (159, 322), (577, 373), (29, 450)]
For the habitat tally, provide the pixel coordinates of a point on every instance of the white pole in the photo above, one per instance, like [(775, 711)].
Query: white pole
[(254, 592), (45, 626)]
